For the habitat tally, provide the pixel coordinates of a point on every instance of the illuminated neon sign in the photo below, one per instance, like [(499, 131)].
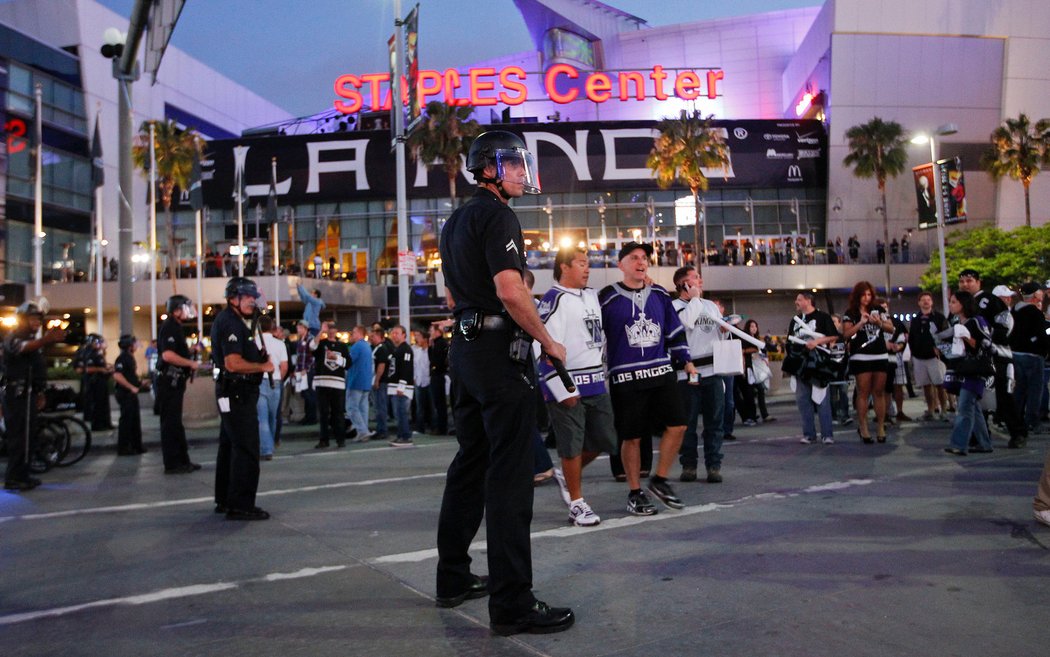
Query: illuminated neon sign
[(561, 83)]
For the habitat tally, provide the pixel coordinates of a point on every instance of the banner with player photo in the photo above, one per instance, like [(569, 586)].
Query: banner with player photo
[(953, 190)]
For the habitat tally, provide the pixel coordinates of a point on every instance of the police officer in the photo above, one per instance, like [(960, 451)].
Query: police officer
[(493, 380), (94, 383), (26, 374), (128, 387), (241, 367), (174, 365)]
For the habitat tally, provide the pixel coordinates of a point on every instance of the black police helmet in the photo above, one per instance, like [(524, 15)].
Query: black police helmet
[(241, 286), (29, 308), (92, 340), (483, 148), (176, 301), (125, 341)]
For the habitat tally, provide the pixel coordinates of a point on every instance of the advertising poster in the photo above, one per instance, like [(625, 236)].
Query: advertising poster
[(925, 195), (953, 190), (415, 109)]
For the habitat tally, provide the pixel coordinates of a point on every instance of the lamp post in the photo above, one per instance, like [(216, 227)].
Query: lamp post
[(922, 138), (402, 193)]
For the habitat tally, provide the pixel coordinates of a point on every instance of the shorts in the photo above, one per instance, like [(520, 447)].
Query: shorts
[(928, 371), (645, 412), (586, 427), (898, 372), (864, 366)]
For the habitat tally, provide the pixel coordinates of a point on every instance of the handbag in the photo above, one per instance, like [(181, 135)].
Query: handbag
[(728, 356), (759, 374)]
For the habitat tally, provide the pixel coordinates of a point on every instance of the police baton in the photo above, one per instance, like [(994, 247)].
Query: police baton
[(563, 374)]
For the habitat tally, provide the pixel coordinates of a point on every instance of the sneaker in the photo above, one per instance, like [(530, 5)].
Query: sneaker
[(729, 436), (563, 488), (663, 492), (688, 474), (639, 504), (806, 440), (749, 423), (827, 440), (714, 476), (321, 444), (768, 418), (581, 515), (848, 421), (1042, 516), (926, 417), (401, 442), (901, 417), (541, 477), (361, 439)]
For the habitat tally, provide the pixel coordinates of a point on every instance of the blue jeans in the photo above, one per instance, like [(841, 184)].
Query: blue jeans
[(268, 406), (403, 415), (1028, 373), (379, 400), (969, 420), (729, 412), (707, 399), (804, 401), (357, 409)]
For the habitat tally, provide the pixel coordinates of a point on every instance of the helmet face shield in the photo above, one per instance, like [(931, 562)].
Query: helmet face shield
[(189, 311), (518, 165)]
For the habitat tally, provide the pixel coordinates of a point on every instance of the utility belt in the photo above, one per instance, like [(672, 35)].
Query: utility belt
[(236, 385), (472, 323), (174, 374)]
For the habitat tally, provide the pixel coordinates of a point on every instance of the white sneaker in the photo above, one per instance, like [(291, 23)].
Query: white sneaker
[(827, 440), (559, 477), (581, 515), (1041, 516), (806, 440)]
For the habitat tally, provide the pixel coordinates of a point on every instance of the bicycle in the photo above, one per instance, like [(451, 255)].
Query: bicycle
[(60, 439)]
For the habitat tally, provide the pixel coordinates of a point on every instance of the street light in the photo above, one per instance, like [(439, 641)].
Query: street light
[(922, 138)]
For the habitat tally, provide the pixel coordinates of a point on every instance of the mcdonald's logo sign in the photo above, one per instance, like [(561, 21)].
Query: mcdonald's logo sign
[(794, 173)]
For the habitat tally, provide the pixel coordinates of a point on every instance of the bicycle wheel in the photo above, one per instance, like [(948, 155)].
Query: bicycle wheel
[(52, 440), (79, 440)]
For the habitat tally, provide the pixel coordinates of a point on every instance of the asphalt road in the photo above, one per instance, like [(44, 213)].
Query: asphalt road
[(807, 550)]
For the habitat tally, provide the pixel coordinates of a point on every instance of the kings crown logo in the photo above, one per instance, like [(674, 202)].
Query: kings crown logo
[(643, 333)]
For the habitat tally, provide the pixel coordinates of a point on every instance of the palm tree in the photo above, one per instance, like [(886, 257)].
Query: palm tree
[(877, 150), (444, 136), (1018, 151), (681, 151), (174, 150)]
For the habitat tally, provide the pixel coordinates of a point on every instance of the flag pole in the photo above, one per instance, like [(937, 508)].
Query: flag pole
[(38, 198), (274, 227), (240, 223), (152, 232), (98, 182), (200, 284)]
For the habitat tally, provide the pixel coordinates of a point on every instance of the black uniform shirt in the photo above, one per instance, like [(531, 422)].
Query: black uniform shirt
[(125, 365), (170, 336), (480, 239), (96, 359), (20, 365), (231, 335)]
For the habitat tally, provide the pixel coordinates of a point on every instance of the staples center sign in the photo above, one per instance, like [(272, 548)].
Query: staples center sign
[(562, 83)]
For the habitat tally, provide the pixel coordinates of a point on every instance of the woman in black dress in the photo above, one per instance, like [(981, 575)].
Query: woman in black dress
[(862, 328)]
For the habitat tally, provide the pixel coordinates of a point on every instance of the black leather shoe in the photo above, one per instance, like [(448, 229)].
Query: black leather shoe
[(18, 484), (250, 514), (179, 469), (479, 588), (221, 508), (541, 619), (321, 445), (194, 466)]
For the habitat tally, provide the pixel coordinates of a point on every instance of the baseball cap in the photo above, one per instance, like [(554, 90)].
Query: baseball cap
[(1030, 288), (631, 246), (1002, 291)]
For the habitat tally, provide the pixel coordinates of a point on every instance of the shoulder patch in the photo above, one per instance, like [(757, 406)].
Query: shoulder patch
[(232, 338)]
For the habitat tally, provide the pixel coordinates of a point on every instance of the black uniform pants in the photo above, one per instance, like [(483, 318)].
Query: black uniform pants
[(172, 434), (237, 464), (491, 474), (16, 414), (1005, 406), (331, 413), (129, 428)]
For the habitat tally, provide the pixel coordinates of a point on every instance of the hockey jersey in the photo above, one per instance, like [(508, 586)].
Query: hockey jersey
[(574, 318), (644, 337), (701, 332)]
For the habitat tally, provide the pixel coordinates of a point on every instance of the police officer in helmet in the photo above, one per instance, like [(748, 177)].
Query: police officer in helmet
[(241, 366), (174, 365), (26, 374), (493, 379), (126, 389)]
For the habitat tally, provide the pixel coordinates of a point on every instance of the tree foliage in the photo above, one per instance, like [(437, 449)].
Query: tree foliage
[(444, 136), (1018, 150), (876, 150), (1007, 257), (684, 147)]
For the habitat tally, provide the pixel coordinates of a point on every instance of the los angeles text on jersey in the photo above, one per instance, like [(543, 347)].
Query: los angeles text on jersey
[(639, 375)]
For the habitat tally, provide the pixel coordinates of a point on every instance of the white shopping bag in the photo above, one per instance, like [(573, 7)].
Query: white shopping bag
[(728, 357)]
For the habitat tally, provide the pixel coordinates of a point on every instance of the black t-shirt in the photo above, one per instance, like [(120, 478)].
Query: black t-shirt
[(170, 336), (438, 354), (870, 340), (480, 239), (125, 365), (381, 356), (920, 334), (401, 364), (231, 335)]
